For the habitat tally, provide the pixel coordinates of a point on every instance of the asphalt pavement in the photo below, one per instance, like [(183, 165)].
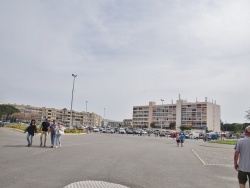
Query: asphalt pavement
[(127, 160)]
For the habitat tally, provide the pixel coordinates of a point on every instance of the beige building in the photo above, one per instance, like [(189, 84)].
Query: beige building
[(40, 113), (127, 122), (197, 115)]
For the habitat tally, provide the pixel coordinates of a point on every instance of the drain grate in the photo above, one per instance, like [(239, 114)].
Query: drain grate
[(94, 184)]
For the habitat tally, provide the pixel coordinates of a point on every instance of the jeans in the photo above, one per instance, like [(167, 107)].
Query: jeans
[(45, 133), (58, 139), (53, 136), (29, 139)]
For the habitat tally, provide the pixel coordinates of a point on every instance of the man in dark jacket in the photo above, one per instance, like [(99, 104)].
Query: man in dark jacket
[(44, 131)]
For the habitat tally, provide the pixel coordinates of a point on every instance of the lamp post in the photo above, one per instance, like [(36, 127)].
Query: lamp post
[(87, 113), (162, 111), (104, 118), (70, 123)]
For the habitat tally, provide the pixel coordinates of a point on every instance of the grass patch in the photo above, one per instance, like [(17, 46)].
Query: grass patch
[(229, 142)]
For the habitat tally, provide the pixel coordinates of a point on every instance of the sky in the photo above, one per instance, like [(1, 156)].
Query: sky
[(125, 53)]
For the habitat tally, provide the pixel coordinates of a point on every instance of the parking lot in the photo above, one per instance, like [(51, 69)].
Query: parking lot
[(132, 161)]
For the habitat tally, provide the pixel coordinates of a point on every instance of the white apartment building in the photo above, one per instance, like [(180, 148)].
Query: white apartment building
[(197, 115), (63, 115)]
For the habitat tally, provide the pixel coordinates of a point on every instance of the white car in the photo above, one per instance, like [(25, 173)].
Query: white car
[(95, 130), (110, 131), (122, 131)]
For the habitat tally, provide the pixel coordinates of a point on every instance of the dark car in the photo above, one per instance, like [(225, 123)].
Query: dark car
[(129, 131)]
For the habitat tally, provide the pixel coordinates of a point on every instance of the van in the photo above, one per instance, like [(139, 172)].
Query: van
[(196, 135)]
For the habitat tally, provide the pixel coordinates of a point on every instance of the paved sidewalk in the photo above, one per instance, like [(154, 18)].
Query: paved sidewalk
[(215, 154)]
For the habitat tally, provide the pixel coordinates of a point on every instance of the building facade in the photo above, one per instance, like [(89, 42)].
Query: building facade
[(62, 115), (196, 115)]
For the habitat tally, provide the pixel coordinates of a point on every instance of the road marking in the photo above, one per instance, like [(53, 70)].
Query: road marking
[(198, 157), (94, 184)]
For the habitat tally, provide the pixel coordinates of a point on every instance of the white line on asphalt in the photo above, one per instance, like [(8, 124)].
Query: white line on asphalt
[(198, 157)]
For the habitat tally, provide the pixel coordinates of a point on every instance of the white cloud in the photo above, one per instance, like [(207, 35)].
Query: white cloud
[(125, 53)]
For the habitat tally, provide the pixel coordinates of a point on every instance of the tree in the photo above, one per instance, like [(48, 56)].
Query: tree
[(152, 125), (247, 116), (172, 125), (185, 128), (7, 110), (18, 116)]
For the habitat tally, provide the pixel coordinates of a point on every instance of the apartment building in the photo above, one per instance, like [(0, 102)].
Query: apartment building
[(62, 115), (197, 115), (127, 122)]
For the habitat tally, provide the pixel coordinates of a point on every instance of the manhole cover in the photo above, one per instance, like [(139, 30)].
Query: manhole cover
[(94, 184)]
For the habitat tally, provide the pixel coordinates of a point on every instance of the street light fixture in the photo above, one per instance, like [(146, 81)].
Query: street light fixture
[(70, 123), (162, 111)]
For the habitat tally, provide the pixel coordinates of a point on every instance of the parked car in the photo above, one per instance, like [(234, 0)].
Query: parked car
[(213, 137), (187, 136), (129, 131), (143, 132), (233, 136), (122, 131), (95, 130), (162, 134), (110, 131)]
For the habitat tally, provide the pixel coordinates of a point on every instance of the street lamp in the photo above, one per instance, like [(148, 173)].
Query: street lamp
[(104, 118), (70, 123), (86, 113), (162, 111)]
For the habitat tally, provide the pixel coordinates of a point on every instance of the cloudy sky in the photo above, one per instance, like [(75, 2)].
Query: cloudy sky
[(125, 53)]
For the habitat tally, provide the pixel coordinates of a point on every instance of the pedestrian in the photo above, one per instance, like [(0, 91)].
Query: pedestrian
[(182, 138), (44, 132), (59, 131), (53, 127), (177, 138), (242, 152), (31, 130)]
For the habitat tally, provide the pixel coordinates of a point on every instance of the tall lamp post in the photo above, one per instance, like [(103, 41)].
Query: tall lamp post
[(162, 111), (87, 113), (70, 123), (104, 118)]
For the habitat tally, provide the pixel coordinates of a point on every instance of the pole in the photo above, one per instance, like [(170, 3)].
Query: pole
[(71, 120), (87, 113), (162, 112), (104, 118)]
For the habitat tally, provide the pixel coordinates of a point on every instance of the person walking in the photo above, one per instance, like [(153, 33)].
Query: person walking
[(59, 132), (44, 132), (31, 129), (53, 127), (177, 138), (242, 158), (182, 138)]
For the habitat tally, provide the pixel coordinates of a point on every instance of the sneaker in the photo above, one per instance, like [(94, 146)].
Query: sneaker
[(28, 145), (51, 146), (60, 146), (56, 146), (40, 145)]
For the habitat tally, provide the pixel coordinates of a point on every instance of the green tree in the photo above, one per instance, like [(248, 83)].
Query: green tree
[(7, 110), (172, 125), (185, 128), (152, 125)]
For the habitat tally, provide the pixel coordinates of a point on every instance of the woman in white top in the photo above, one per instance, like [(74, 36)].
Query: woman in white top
[(59, 132)]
